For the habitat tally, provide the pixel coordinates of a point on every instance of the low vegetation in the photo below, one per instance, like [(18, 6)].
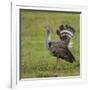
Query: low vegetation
[(35, 60)]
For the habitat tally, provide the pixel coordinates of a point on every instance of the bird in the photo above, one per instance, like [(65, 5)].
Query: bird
[(58, 49)]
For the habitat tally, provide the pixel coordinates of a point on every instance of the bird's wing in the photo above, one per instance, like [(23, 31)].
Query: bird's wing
[(60, 44), (65, 32)]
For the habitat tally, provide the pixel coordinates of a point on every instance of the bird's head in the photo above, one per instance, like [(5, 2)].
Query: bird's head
[(48, 29)]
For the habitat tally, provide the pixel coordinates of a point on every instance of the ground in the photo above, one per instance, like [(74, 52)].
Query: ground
[(35, 59)]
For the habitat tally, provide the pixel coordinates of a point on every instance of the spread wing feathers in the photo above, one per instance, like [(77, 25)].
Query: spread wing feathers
[(65, 32), (63, 53)]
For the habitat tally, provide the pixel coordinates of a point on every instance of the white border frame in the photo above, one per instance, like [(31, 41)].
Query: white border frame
[(15, 82)]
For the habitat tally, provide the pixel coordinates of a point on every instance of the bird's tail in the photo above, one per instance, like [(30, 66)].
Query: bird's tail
[(71, 57), (65, 32)]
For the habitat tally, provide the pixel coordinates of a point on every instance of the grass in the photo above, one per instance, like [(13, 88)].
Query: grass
[(35, 58)]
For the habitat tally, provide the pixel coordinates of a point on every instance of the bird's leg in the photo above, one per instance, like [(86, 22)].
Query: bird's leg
[(57, 62), (60, 63)]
